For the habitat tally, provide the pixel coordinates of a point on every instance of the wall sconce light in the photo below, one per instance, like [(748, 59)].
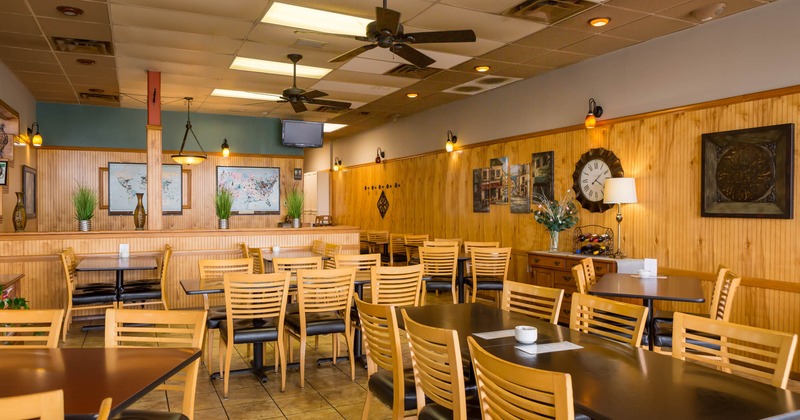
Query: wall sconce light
[(380, 156), (595, 111), (36, 139), (451, 140), (226, 151), (336, 164)]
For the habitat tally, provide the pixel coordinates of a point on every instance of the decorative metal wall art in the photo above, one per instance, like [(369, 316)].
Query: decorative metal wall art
[(383, 204)]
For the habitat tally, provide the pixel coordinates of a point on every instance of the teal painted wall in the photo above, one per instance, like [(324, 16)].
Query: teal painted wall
[(125, 128)]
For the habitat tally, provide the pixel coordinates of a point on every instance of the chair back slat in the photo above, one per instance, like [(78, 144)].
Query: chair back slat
[(619, 321), (256, 296), (30, 328), (589, 274), (724, 291), (396, 285), (331, 251), (580, 278), (325, 290), (381, 336), (212, 271), (362, 262), (536, 301), (417, 241), (490, 262), (318, 247)]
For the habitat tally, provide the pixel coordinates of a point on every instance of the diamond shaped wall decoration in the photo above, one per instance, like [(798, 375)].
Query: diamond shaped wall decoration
[(383, 204)]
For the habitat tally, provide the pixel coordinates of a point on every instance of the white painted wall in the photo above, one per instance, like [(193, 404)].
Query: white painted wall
[(748, 52), (17, 96)]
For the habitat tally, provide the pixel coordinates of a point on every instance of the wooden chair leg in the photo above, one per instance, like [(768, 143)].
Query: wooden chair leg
[(349, 339), (303, 359), (282, 357), (367, 401)]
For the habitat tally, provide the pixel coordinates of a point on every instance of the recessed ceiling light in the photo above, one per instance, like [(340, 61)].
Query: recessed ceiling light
[(315, 20), (240, 94), (412, 95), (69, 11), (276, 67), (599, 21), (482, 69), (708, 12), (328, 127), (85, 61)]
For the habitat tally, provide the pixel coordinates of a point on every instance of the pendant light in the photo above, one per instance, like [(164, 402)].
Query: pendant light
[(189, 158)]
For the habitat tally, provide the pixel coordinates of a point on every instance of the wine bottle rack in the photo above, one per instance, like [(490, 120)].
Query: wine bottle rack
[(593, 240)]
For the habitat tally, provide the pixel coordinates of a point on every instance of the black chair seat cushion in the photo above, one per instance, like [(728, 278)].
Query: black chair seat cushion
[(216, 314), (485, 283), (317, 323), (665, 317), (397, 258), (85, 297), (664, 338), (95, 286), (438, 283), (256, 330), (141, 293), (433, 411), (381, 384), (142, 282), (149, 415)]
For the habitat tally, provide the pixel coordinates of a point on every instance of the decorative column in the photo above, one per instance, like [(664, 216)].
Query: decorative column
[(154, 151)]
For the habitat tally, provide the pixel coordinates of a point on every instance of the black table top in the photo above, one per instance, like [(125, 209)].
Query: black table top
[(612, 380), (674, 288), (117, 264)]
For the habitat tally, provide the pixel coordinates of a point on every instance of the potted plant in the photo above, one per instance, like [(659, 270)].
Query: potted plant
[(223, 201), (84, 199), (294, 206)]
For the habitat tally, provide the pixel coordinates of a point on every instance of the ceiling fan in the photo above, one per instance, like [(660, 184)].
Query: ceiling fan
[(298, 98), (386, 31)]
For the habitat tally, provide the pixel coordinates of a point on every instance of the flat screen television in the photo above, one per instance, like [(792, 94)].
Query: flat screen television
[(302, 133)]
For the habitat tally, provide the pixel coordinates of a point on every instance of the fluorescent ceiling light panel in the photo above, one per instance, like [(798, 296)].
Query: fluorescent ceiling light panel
[(315, 20), (276, 67), (328, 127), (328, 85), (246, 95)]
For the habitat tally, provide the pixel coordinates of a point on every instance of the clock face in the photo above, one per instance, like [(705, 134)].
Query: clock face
[(591, 172)]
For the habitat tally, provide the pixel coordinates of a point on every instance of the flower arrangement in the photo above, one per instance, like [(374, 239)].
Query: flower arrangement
[(553, 214), (7, 302)]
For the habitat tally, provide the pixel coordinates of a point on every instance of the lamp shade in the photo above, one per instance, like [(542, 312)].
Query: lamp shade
[(619, 191)]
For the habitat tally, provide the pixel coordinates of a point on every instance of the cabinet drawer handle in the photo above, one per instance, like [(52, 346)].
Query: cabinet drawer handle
[(536, 260), (556, 263), (568, 278)]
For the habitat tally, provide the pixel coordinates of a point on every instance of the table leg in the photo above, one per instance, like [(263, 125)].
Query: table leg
[(651, 331), (257, 367), (120, 284), (460, 279)]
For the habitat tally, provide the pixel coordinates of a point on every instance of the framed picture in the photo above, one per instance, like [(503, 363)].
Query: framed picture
[(519, 181), (298, 174), (498, 180), (542, 173), (255, 190), (29, 190), (748, 173), (3, 173), (124, 180), (480, 190)]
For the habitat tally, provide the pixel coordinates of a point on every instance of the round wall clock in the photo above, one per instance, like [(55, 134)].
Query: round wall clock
[(591, 171)]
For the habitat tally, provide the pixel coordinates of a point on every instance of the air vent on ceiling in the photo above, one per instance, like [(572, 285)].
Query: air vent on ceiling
[(549, 11), (309, 43), (83, 46), (100, 97), (481, 85), (412, 71), (331, 109)]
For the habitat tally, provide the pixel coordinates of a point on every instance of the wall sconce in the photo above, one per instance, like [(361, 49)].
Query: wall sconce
[(380, 156), (595, 111), (336, 164), (226, 151), (451, 140), (36, 139)]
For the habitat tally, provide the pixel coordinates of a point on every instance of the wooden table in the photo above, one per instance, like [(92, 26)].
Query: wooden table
[(673, 288), (119, 266), (87, 376), (611, 380)]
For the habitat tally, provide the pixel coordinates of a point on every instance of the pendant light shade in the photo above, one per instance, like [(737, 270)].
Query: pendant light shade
[(189, 158)]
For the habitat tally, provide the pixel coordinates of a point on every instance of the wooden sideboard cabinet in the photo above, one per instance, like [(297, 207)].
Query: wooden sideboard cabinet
[(554, 269)]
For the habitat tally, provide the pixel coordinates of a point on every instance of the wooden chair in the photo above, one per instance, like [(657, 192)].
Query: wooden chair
[(211, 275), (393, 385), (412, 244), (362, 262), (438, 371), (146, 328), (31, 328), (48, 405), (398, 286), (619, 321), (293, 264), (82, 300), (257, 255), (469, 246), (507, 390), (442, 243), (733, 347), (72, 258), (489, 270), (318, 247), (397, 250), (536, 301), (589, 273), (377, 236), (331, 250), (255, 308), (363, 244), (439, 269), (580, 278), (325, 298), (244, 249), (143, 293), (457, 240)]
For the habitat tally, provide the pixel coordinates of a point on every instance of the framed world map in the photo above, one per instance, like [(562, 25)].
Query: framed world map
[(255, 190), (127, 179)]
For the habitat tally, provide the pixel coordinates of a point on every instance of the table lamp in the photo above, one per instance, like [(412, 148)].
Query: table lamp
[(619, 191)]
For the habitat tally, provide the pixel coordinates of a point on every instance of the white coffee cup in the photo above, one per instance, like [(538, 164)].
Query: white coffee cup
[(645, 273), (276, 249), (526, 334)]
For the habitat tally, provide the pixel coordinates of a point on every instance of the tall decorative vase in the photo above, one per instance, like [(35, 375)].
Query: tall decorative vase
[(139, 216), (19, 217), (554, 241)]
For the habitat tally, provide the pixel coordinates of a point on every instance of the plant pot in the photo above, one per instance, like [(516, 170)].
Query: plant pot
[(296, 223), (84, 225), (139, 216), (223, 223), (19, 217)]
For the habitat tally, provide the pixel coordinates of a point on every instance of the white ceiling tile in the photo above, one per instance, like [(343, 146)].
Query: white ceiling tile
[(369, 79), (237, 9), (494, 6), (281, 35), (365, 65), (485, 25), (178, 21), (167, 67), (93, 11), (178, 40), (328, 85), (278, 52), (365, 8), (173, 55)]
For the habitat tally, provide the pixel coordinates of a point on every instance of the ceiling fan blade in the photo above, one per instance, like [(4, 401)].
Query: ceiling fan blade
[(335, 104), (314, 94), (387, 19), (412, 56), (352, 53), (466, 35), (298, 106)]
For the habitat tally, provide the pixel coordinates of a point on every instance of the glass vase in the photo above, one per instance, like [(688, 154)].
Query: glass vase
[(554, 241)]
